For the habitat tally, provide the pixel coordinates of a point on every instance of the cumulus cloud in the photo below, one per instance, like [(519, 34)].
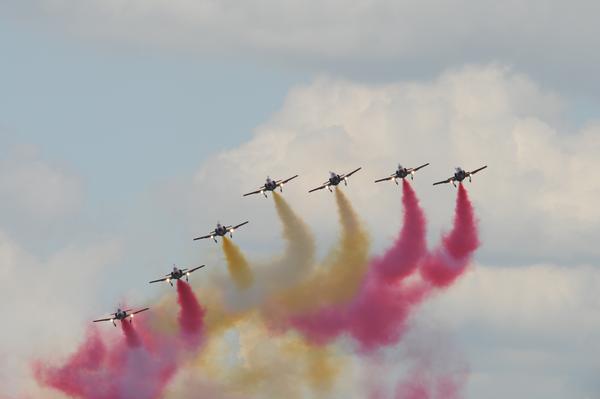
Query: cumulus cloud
[(536, 200), (510, 321), (527, 331)]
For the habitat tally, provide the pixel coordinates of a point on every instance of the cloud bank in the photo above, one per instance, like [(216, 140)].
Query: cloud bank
[(371, 38)]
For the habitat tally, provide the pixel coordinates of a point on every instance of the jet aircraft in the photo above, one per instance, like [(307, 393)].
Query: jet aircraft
[(122, 315), (271, 185), (401, 173), (335, 179), (459, 175), (221, 230), (176, 274)]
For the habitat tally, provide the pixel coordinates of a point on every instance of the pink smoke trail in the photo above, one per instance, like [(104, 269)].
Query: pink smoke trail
[(191, 314), (403, 257), (449, 261), (412, 389), (116, 371), (131, 336), (377, 315), (424, 383)]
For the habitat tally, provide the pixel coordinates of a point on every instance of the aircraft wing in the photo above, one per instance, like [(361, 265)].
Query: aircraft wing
[(443, 181), (239, 225), (206, 236), (419, 167), (139, 311), (194, 269), (254, 192), (385, 179), (109, 319), (319, 188), (287, 180), (353, 172), (477, 170), (159, 280)]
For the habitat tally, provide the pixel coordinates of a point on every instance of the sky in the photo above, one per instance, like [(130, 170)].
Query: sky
[(129, 127)]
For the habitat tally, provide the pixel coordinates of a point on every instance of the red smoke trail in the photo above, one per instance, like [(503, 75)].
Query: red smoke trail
[(412, 389), (424, 383), (191, 314), (138, 367), (449, 261), (377, 315), (116, 371), (131, 336), (410, 246)]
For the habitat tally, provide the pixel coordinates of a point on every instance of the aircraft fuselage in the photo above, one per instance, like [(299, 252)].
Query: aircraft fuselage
[(176, 274), (270, 185), (461, 175), (220, 230), (401, 173), (120, 314), (335, 179)]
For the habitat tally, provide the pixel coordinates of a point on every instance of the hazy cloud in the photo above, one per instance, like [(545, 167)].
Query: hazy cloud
[(371, 38), (527, 331), (48, 300)]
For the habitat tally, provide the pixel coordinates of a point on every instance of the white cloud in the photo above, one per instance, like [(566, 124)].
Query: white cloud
[(49, 301), (536, 201), (37, 195), (527, 331)]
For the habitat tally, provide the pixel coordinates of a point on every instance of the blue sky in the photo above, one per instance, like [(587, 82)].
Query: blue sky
[(128, 128), (124, 118)]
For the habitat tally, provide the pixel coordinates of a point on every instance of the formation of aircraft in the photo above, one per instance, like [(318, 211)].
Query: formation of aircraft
[(459, 175), (401, 173), (335, 179), (221, 231), (122, 315), (271, 185), (176, 274)]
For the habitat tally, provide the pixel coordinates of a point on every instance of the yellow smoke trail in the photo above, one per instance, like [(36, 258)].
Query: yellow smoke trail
[(322, 366), (340, 275), (292, 265), (299, 255), (238, 266), (267, 365), (262, 365)]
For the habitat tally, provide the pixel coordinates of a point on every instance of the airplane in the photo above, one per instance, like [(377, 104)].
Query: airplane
[(271, 185), (221, 230), (122, 315), (459, 175), (176, 274), (335, 179), (401, 173)]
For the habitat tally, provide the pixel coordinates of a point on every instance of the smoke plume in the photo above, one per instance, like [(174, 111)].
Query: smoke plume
[(450, 259), (191, 314), (238, 266)]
